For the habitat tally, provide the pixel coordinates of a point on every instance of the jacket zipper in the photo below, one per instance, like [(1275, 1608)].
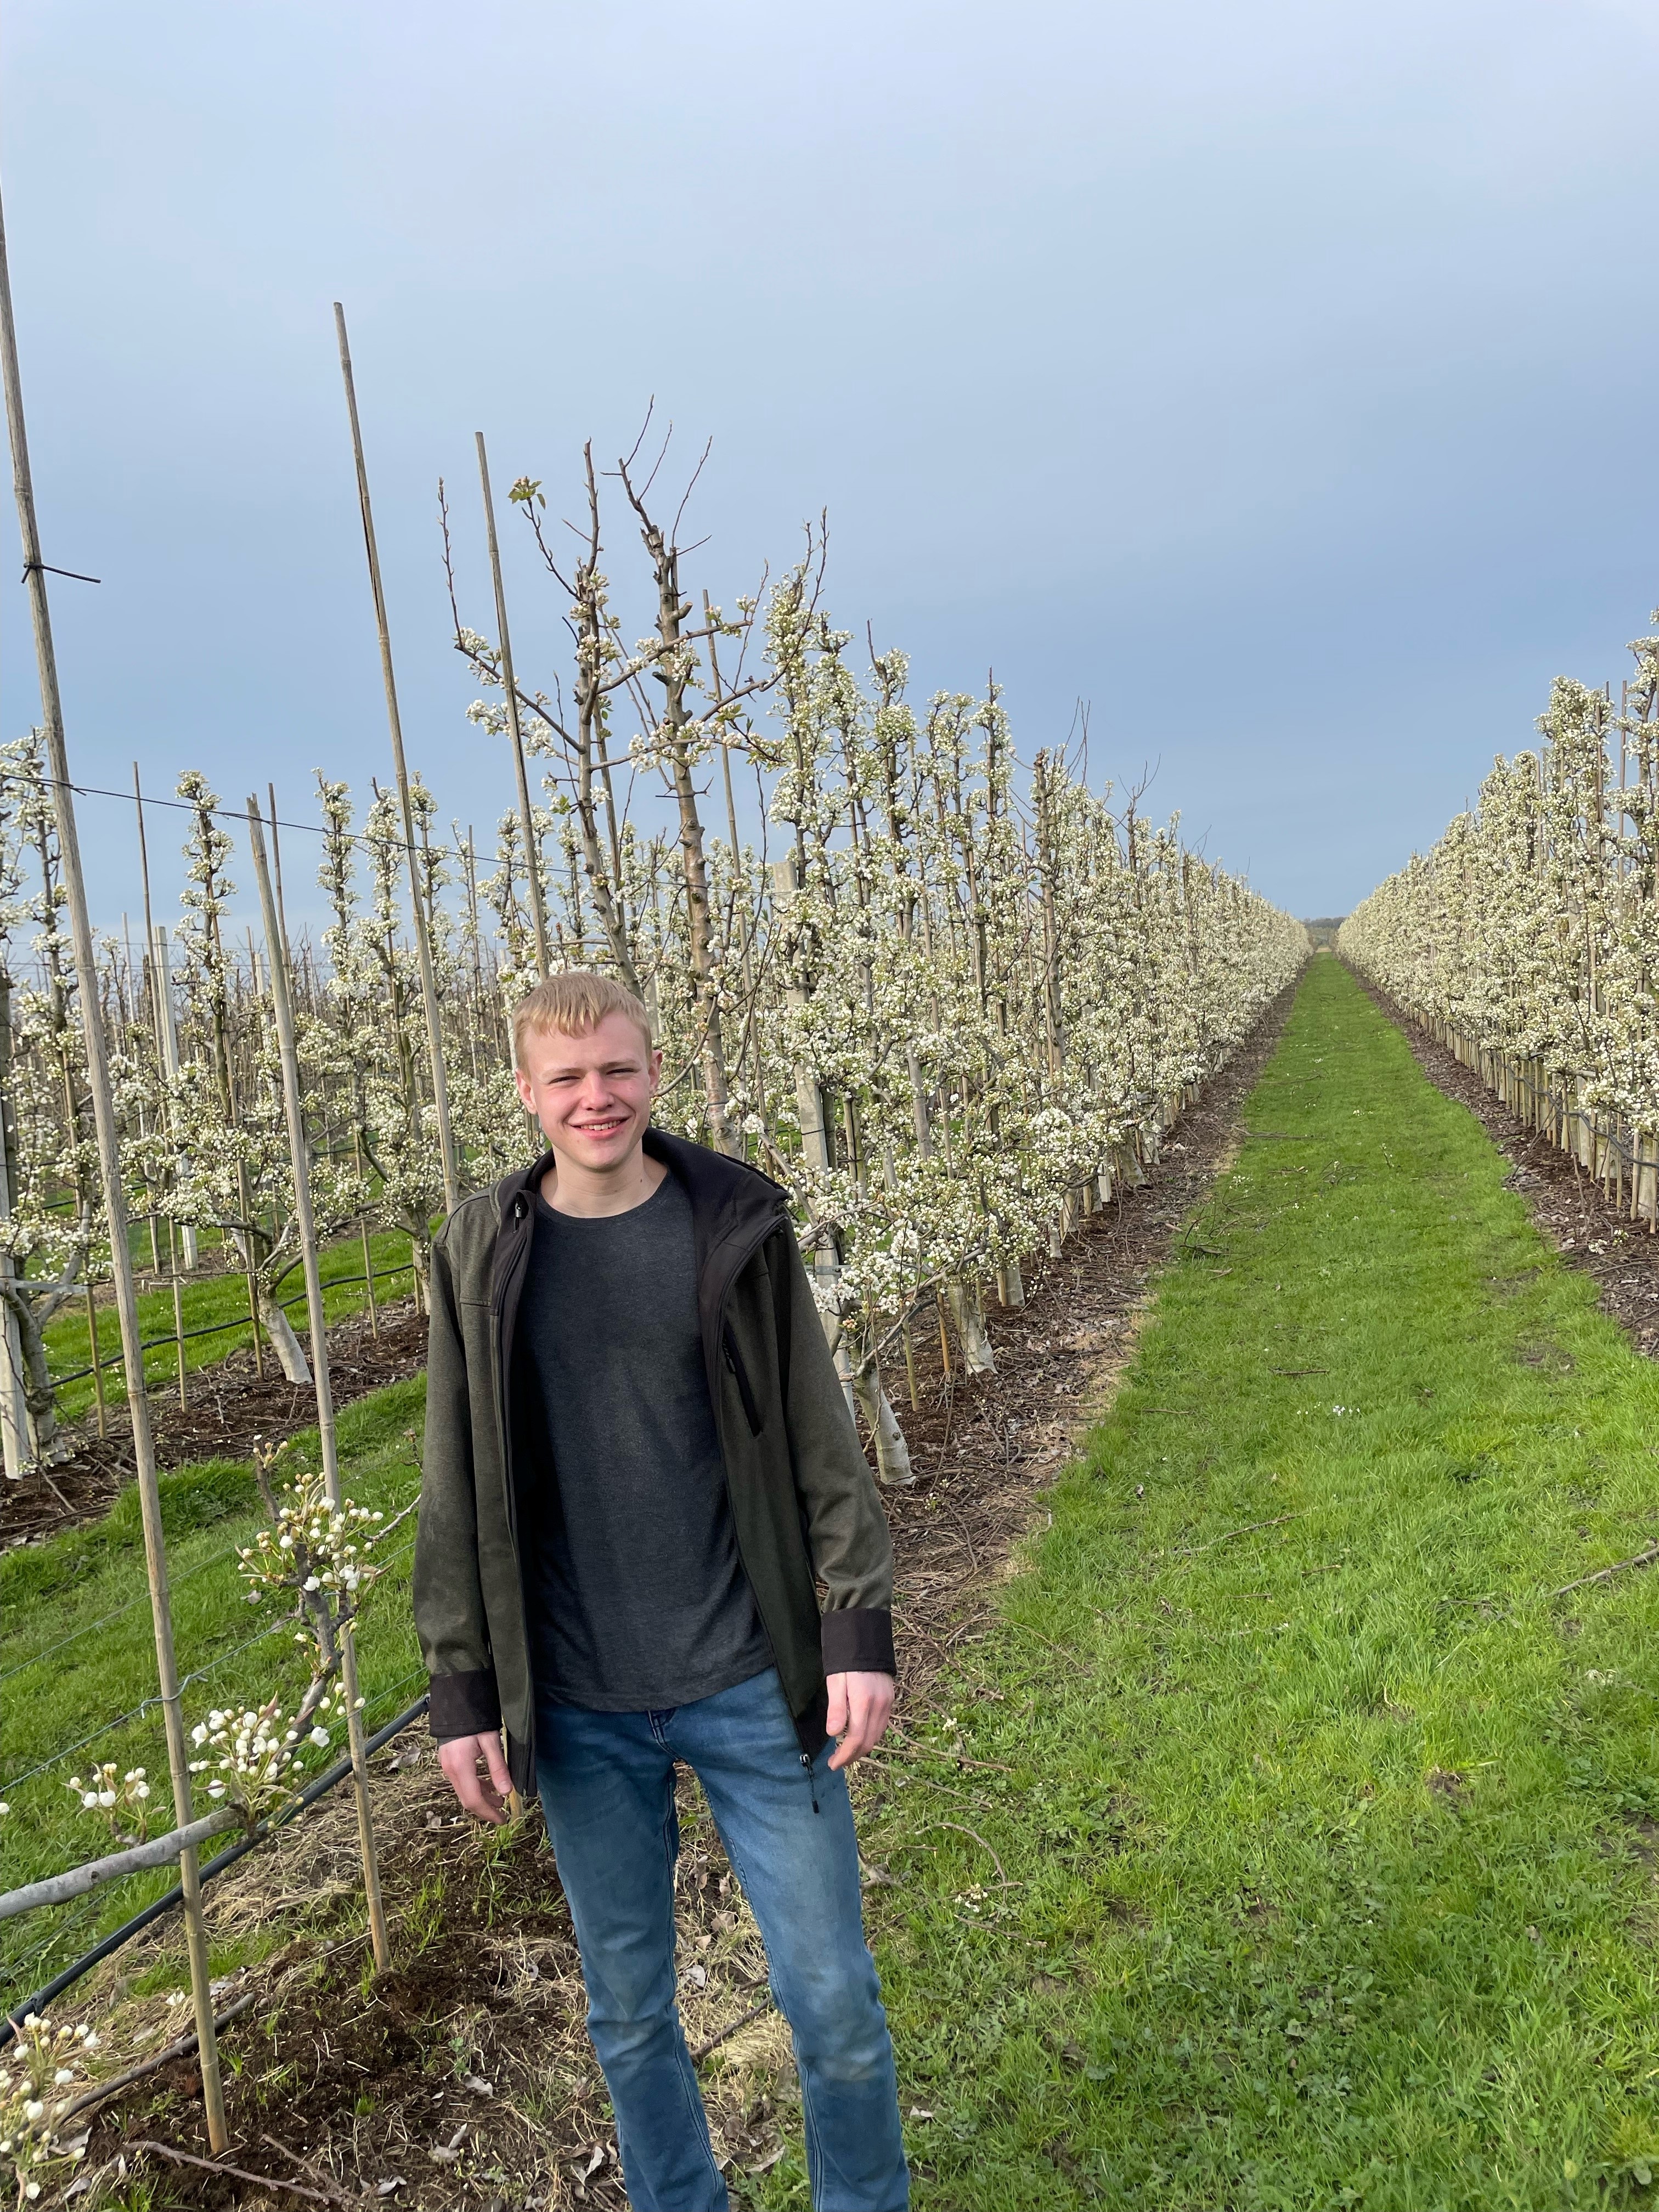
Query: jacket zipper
[(737, 1269), (509, 1483), (740, 1376)]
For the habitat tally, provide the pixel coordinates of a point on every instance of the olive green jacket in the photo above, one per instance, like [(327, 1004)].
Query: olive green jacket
[(804, 1505)]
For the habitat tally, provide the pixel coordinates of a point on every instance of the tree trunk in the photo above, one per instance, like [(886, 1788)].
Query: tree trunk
[(420, 1264), (46, 1447), (893, 1468), (290, 1352), (968, 1312)]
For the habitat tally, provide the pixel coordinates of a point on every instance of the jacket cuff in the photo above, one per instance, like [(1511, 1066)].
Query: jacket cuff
[(858, 1639), (464, 1705)]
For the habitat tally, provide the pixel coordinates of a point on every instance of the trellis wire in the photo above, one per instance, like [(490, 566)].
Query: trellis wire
[(200, 1674), (218, 1328)]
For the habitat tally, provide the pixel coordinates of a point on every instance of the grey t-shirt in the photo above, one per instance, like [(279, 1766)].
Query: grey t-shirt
[(638, 1600)]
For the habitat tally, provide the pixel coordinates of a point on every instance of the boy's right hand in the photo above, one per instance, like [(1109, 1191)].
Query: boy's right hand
[(484, 1795)]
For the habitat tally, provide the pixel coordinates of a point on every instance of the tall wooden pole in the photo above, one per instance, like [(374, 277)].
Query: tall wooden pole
[(423, 930), (527, 821), (14, 1431), (150, 917), (299, 1153), (277, 863), (109, 1161)]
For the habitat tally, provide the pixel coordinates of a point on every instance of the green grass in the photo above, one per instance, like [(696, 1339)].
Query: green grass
[(1328, 1877), (54, 1690), (209, 1300)]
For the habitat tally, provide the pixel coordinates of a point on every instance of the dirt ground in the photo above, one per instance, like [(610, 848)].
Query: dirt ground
[(228, 1407), (1565, 1204), (463, 2077)]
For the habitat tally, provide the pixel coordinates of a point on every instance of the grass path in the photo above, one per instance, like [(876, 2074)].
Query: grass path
[(1309, 1858)]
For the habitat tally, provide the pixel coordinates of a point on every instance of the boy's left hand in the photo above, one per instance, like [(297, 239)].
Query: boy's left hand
[(860, 1706)]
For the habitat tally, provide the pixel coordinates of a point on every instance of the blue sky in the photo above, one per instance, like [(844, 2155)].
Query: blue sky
[(1277, 377)]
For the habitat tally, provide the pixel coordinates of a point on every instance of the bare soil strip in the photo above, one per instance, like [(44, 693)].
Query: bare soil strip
[(465, 2076), (1565, 1204), (230, 1405)]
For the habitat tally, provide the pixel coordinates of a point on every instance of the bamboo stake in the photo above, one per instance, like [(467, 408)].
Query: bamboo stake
[(277, 868), (417, 903), (282, 1006), (368, 1262), (167, 1038), (97, 1364), (532, 858), (178, 1325), (109, 1161), (252, 1298), (15, 1424)]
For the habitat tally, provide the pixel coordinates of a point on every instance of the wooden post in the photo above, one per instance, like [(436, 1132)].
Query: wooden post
[(277, 868), (15, 1426), (179, 1328), (109, 1161), (168, 1027), (97, 1369), (298, 1155), (253, 1296), (533, 859), (417, 903), (368, 1257)]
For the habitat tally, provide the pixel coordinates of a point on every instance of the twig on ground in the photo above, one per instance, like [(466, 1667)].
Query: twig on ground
[(962, 1829), (1605, 1574), (304, 2164), (1190, 1551), (895, 1749), (238, 2173), (743, 2019), (925, 1781), (1072, 1658), (180, 2049)]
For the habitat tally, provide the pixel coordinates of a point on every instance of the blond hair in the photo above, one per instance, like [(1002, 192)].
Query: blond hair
[(575, 1003)]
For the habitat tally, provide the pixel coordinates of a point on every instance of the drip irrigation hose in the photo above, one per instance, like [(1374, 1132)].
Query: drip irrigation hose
[(318, 1786)]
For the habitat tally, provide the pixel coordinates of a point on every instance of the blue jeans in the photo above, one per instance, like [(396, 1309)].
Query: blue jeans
[(607, 1786)]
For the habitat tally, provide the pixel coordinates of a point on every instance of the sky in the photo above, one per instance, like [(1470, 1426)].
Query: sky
[(1274, 377)]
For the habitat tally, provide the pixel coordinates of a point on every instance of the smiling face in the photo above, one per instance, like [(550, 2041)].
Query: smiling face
[(591, 1094)]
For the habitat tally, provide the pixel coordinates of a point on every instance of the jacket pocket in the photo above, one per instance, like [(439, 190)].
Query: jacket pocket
[(734, 1361)]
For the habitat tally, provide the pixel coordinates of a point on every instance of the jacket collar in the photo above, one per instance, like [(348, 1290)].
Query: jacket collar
[(727, 1196)]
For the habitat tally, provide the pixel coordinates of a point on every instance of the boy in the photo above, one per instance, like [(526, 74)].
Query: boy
[(640, 1466)]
